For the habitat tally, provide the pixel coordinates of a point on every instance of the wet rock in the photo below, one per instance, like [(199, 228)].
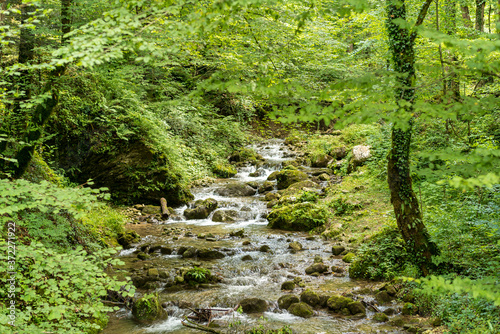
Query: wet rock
[(337, 250), (324, 177), (236, 190), (389, 311), (436, 321), (237, 234), (383, 297), (273, 176), (264, 248), (210, 254), (190, 253), (201, 236), (323, 299), (148, 309), (225, 216), (310, 238), (285, 301), (142, 256), (337, 269), (320, 161), (380, 317), (318, 268), (202, 209), (266, 186), (391, 290), (253, 305), (288, 285), (245, 155), (298, 217), (397, 321), (181, 250), (318, 259), (296, 246), (337, 303), (247, 258), (356, 308), (287, 177), (309, 297), (253, 184), (212, 239), (153, 272), (246, 242), (127, 238), (409, 309), (179, 279), (301, 310), (349, 257)]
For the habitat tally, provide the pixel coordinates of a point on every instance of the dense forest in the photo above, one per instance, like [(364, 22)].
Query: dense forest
[(323, 166)]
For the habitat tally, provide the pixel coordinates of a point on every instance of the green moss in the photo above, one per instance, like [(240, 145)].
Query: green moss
[(147, 309), (349, 257), (224, 170), (301, 310), (298, 217), (287, 177), (337, 303), (38, 170)]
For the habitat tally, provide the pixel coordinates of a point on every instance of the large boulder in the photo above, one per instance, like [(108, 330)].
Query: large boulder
[(360, 154), (356, 308), (301, 310), (317, 268), (210, 254), (127, 238), (285, 301), (225, 216), (148, 309), (253, 305), (236, 190), (288, 176), (321, 161), (337, 303), (309, 297), (298, 217), (202, 209)]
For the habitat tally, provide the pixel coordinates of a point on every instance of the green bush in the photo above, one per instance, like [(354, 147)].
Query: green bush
[(58, 291), (383, 256)]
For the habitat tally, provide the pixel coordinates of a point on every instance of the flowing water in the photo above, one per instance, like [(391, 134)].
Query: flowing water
[(261, 277)]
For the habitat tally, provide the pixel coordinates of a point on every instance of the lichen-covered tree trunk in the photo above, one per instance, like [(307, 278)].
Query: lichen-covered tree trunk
[(403, 198), (452, 83)]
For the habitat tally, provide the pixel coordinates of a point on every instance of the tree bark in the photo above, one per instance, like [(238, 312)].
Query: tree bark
[(480, 4), (452, 82), (403, 198), (66, 19), (466, 15)]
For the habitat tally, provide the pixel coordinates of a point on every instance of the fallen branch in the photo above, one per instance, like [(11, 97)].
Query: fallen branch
[(190, 324)]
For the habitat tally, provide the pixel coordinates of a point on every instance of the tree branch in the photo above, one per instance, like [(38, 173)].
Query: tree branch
[(420, 18)]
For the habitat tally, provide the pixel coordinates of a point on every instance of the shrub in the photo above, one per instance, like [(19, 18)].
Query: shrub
[(197, 275)]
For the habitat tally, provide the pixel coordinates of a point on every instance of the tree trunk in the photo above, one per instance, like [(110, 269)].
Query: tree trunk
[(466, 15), (480, 4), (452, 82), (65, 19), (403, 198)]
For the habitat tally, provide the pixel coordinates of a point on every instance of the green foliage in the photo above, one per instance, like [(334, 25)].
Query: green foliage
[(308, 196), (382, 257), (58, 291), (223, 169), (343, 206), (197, 275), (299, 217)]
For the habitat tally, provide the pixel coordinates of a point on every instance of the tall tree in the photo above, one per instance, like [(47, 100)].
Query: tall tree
[(464, 7), (403, 198), (480, 4), (452, 82)]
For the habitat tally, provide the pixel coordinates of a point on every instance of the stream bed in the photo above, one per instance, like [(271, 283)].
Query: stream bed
[(258, 276)]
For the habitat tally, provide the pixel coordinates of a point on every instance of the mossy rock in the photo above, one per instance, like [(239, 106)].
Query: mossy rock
[(349, 257), (301, 310), (151, 210), (309, 297), (225, 216), (148, 309), (266, 186), (383, 297), (287, 177), (356, 308), (337, 250), (320, 161), (337, 303), (295, 245), (298, 217), (245, 155), (272, 196), (409, 309), (288, 285), (285, 301), (210, 254), (380, 317), (224, 170), (127, 238), (100, 320), (236, 190), (317, 268), (253, 305)]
